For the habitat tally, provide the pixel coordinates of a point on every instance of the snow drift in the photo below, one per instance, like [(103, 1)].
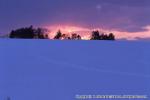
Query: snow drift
[(58, 70)]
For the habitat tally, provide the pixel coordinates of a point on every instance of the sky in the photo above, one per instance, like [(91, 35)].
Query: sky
[(128, 19)]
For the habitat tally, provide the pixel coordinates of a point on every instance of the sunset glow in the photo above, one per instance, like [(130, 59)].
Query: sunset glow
[(68, 30), (86, 32)]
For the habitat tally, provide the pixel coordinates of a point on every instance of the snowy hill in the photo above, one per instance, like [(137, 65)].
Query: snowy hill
[(59, 70)]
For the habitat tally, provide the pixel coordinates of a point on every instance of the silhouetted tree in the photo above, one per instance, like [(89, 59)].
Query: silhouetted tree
[(29, 33), (95, 35), (40, 33), (12, 34), (26, 33), (111, 36), (103, 37), (79, 37), (65, 37), (58, 35), (75, 37)]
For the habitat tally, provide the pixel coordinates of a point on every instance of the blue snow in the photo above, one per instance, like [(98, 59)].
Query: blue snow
[(59, 70)]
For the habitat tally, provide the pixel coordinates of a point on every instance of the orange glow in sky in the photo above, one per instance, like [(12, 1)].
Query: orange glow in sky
[(66, 29), (86, 32)]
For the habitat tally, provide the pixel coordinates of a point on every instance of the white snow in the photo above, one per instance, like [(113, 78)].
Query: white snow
[(58, 70)]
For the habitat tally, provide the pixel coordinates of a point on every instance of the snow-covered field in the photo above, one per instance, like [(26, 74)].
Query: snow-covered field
[(58, 70)]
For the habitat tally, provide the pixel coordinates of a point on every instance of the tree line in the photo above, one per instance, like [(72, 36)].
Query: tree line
[(41, 33), (29, 33)]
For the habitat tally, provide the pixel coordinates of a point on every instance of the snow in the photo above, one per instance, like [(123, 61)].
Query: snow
[(59, 70)]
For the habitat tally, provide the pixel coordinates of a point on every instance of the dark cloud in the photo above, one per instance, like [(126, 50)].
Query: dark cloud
[(123, 15)]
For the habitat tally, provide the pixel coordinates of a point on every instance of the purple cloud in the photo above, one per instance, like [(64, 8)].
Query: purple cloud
[(123, 15)]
